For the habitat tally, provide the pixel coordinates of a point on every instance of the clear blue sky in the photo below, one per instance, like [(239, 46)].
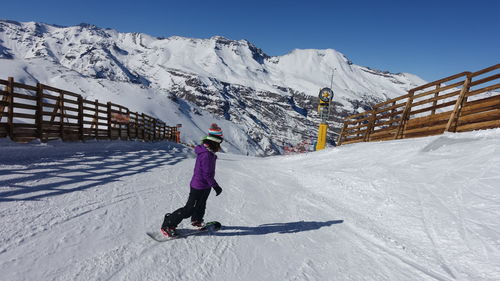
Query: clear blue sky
[(430, 38)]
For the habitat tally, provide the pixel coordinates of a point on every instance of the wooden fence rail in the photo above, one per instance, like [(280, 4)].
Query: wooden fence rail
[(46, 113), (462, 102)]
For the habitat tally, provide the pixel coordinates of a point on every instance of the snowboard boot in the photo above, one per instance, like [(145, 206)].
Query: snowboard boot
[(169, 231), (198, 224)]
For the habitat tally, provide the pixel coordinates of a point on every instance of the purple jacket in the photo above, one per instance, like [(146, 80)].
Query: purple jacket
[(204, 169)]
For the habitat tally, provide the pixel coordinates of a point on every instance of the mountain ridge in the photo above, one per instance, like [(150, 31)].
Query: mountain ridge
[(271, 98)]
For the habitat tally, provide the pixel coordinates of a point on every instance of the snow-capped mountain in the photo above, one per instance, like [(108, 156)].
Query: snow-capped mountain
[(264, 102)]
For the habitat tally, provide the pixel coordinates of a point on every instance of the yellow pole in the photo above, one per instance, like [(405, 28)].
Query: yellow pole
[(321, 144), (325, 98)]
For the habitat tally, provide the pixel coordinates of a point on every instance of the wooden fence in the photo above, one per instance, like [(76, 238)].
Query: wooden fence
[(47, 113), (463, 102)]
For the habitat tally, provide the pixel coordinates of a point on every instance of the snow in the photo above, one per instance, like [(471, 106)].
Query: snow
[(415, 209)]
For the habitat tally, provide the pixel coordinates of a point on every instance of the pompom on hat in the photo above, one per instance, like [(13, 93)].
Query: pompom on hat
[(214, 134)]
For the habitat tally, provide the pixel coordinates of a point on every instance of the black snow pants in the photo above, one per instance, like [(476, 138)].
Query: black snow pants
[(194, 208)]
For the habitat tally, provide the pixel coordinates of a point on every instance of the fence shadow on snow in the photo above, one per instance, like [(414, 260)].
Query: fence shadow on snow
[(43, 178)]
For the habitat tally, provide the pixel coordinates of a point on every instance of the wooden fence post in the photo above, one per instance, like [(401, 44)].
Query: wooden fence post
[(370, 126), (405, 116), (96, 118), (5, 102), (119, 126), (80, 117), (128, 124), (154, 129), (54, 112), (109, 120), (340, 139), (143, 126), (160, 130), (434, 103), (39, 112), (453, 121), (10, 116), (61, 120), (392, 114), (137, 125)]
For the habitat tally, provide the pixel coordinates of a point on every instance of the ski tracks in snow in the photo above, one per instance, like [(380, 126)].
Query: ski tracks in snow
[(369, 236)]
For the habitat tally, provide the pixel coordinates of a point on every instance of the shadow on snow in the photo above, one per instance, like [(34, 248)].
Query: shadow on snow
[(281, 228), (79, 171)]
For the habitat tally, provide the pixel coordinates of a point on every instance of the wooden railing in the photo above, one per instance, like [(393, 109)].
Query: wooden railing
[(463, 102), (47, 113)]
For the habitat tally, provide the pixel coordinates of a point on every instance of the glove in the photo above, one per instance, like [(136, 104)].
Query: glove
[(218, 190)]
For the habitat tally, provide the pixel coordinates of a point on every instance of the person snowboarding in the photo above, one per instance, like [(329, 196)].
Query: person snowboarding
[(202, 182)]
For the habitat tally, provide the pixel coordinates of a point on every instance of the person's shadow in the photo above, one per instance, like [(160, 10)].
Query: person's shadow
[(281, 228)]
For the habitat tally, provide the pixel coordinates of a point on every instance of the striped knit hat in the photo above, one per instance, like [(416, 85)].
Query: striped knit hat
[(214, 134)]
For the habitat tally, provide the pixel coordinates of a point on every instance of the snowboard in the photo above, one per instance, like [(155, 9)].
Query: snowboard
[(209, 227)]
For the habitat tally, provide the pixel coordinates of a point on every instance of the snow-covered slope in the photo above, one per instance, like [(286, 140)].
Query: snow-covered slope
[(416, 209), (270, 101)]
